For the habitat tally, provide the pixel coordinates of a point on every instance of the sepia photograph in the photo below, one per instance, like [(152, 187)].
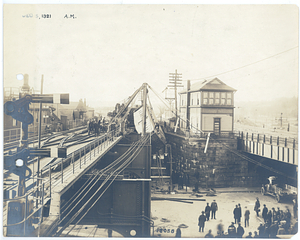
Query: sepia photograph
[(150, 120)]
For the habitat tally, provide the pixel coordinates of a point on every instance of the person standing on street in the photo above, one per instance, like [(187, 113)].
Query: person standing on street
[(201, 222), (295, 207), (257, 206), (288, 217), (207, 212), (269, 217), (236, 214), (247, 216), (265, 213), (240, 231), (274, 215), (239, 213), (214, 208)]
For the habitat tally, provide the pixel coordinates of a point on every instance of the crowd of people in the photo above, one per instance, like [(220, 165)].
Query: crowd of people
[(96, 127), (274, 222)]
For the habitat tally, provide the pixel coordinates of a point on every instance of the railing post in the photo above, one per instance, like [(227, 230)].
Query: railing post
[(25, 215), (62, 171), (94, 148), (285, 142), (73, 161), (50, 179), (84, 156), (80, 159), (294, 144), (90, 152), (98, 146), (43, 191)]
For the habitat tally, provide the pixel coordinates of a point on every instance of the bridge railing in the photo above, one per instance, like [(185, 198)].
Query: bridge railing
[(269, 139), (40, 193), (81, 156)]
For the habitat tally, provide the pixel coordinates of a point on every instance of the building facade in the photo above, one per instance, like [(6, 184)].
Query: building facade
[(207, 107)]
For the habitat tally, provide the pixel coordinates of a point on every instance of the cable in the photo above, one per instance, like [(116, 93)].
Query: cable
[(244, 65)]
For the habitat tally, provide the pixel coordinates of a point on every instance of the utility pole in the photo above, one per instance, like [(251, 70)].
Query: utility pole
[(175, 80)]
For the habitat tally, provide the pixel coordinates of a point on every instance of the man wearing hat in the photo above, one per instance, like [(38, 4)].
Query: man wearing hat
[(214, 208), (265, 213), (201, 222), (257, 206)]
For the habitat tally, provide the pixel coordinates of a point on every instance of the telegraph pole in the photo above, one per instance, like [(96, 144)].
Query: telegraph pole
[(175, 81)]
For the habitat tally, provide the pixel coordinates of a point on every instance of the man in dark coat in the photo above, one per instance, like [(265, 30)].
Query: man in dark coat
[(201, 222), (231, 231), (269, 217), (247, 216), (274, 215), (214, 208), (261, 230), (257, 206), (288, 217), (207, 212), (239, 212), (278, 214), (273, 229), (265, 213), (236, 214), (240, 231), (295, 207)]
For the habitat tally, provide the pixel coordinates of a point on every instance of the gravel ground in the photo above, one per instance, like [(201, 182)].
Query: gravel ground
[(170, 214)]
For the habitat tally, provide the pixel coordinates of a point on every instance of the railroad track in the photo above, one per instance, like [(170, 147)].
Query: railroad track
[(46, 137)]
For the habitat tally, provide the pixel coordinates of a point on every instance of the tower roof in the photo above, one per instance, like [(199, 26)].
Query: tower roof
[(213, 85)]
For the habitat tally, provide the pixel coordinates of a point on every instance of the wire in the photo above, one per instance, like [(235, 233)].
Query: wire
[(244, 65)]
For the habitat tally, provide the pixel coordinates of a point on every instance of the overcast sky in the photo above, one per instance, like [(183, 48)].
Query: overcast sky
[(108, 51)]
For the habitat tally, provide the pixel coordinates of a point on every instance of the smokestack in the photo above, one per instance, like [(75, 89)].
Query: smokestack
[(188, 87), (25, 87)]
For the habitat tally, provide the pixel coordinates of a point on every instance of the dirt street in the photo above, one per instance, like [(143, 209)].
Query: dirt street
[(167, 215)]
